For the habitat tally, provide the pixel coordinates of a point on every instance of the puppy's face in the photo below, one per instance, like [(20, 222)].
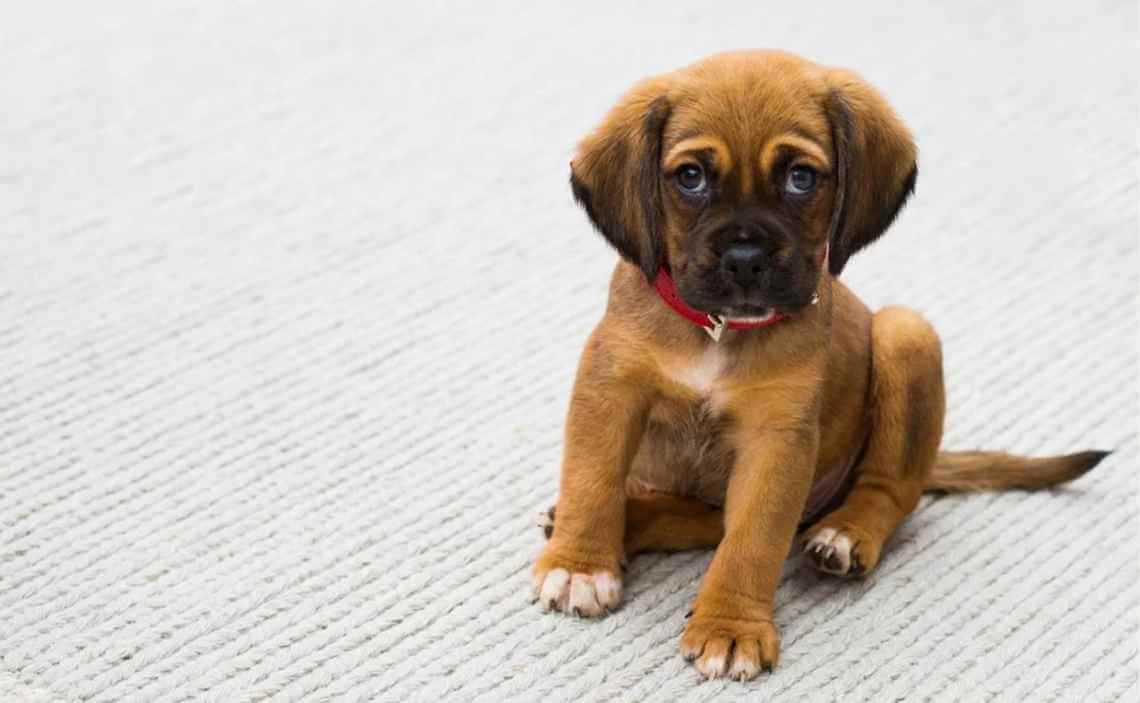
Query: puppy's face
[(735, 173), (747, 184)]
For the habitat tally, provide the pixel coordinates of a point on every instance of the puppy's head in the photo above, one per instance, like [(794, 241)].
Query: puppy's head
[(740, 172)]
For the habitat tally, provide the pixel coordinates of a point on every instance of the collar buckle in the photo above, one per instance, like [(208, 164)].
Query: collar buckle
[(717, 329)]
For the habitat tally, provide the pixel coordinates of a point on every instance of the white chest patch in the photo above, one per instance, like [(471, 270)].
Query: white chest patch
[(700, 374)]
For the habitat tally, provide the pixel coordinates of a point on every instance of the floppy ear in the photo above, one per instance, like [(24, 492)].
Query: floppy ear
[(877, 165), (615, 175)]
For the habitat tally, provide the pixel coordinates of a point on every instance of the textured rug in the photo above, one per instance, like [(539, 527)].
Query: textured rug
[(291, 297)]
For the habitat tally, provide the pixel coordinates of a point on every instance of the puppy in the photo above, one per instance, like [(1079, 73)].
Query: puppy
[(735, 390)]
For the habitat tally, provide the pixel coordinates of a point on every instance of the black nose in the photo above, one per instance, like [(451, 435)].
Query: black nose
[(742, 263)]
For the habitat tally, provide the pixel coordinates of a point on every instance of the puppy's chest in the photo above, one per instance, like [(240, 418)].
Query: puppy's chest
[(702, 379), (687, 450)]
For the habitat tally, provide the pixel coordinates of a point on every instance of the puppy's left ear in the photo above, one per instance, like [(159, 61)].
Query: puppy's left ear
[(616, 176), (877, 165)]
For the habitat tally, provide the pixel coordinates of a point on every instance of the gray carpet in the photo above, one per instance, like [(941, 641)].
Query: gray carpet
[(291, 297)]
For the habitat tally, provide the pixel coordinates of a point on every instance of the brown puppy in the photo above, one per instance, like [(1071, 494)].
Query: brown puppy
[(735, 190)]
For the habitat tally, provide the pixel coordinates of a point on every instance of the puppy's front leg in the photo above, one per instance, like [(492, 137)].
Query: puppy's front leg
[(731, 631), (579, 571)]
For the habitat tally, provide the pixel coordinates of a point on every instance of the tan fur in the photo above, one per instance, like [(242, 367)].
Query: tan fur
[(676, 442)]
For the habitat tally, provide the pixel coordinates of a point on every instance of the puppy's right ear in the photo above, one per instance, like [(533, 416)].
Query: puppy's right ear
[(616, 175)]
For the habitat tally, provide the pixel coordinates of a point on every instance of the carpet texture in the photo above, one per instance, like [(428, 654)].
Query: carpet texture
[(291, 297)]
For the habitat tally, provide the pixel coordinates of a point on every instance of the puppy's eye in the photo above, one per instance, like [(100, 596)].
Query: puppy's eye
[(691, 179), (801, 180)]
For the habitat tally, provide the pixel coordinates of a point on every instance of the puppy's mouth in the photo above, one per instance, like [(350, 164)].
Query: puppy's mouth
[(738, 307), (733, 308), (744, 306), (749, 314)]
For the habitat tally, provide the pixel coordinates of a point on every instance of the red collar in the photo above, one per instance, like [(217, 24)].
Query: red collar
[(713, 324)]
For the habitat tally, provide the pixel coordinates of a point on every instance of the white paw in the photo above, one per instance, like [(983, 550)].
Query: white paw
[(585, 595), (711, 667), (743, 668), (831, 551)]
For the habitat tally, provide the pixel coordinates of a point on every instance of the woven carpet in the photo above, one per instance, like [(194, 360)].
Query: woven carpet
[(291, 297)]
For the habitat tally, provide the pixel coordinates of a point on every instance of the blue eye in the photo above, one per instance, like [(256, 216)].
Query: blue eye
[(801, 180), (691, 179)]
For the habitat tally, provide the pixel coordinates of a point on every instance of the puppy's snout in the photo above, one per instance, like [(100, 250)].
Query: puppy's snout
[(742, 264)]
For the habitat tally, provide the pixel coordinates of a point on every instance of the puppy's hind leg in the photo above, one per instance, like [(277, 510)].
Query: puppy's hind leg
[(907, 409), (658, 522), (664, 523)]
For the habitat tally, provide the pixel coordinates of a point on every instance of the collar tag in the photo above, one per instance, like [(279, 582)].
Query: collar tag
[(717, 329)]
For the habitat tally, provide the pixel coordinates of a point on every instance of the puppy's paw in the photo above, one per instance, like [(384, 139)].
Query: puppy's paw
[(546, 522), (842, 550), (577, 581), (736, 649), (586, 595)]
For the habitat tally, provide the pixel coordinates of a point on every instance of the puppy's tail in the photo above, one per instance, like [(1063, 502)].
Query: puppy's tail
[(993, 471)]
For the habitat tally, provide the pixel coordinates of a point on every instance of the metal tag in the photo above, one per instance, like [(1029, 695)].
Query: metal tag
[(717, 329)]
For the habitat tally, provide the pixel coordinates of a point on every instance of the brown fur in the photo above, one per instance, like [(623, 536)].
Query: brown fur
[(996, 471), (676, 442)]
